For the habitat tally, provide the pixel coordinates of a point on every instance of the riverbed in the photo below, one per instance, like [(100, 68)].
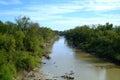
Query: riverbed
[(65, 59)]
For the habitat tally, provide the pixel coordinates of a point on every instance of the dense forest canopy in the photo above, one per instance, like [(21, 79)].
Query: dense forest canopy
[(102, 40), (22, 45)]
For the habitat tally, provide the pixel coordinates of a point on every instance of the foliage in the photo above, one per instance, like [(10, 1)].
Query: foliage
[(22, 44), (102, 40)]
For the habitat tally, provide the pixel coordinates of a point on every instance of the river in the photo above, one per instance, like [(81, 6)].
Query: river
[(65, 59)]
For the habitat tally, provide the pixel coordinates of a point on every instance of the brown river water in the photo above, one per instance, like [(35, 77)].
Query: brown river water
[(65, 59)]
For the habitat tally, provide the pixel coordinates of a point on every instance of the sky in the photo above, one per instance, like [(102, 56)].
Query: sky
[(62, 14)]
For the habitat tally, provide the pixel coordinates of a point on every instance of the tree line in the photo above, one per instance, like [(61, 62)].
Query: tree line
[(22, 45), (102, 40)]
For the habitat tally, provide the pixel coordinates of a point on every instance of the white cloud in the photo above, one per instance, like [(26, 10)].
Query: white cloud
[(74, 6), (72, 22), (103, 5), (44, 12), (82, 21), (55, 9), (53, 14)]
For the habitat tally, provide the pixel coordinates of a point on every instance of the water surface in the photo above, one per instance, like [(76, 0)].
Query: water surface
[(65, 59)]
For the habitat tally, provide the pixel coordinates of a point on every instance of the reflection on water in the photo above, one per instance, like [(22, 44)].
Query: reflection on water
[(85, 66)]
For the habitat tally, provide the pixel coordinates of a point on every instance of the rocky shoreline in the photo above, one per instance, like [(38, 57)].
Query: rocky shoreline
[(38, 75), (35, 75)]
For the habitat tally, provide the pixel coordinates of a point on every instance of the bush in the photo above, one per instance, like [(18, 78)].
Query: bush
[(7, 71)]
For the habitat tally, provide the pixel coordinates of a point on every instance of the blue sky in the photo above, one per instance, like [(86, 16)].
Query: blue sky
[(62, 14)]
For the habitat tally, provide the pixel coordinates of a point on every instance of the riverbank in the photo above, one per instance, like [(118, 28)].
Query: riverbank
[(102, 40), (65, 59), (104, 58), (116, 62), (36, 74)]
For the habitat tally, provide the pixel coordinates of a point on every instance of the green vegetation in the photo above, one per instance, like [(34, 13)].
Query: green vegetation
[(102, 40), (22, 45)]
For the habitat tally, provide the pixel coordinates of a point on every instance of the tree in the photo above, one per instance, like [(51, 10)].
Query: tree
[(102, 40), (22, 22), (19, 37)]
